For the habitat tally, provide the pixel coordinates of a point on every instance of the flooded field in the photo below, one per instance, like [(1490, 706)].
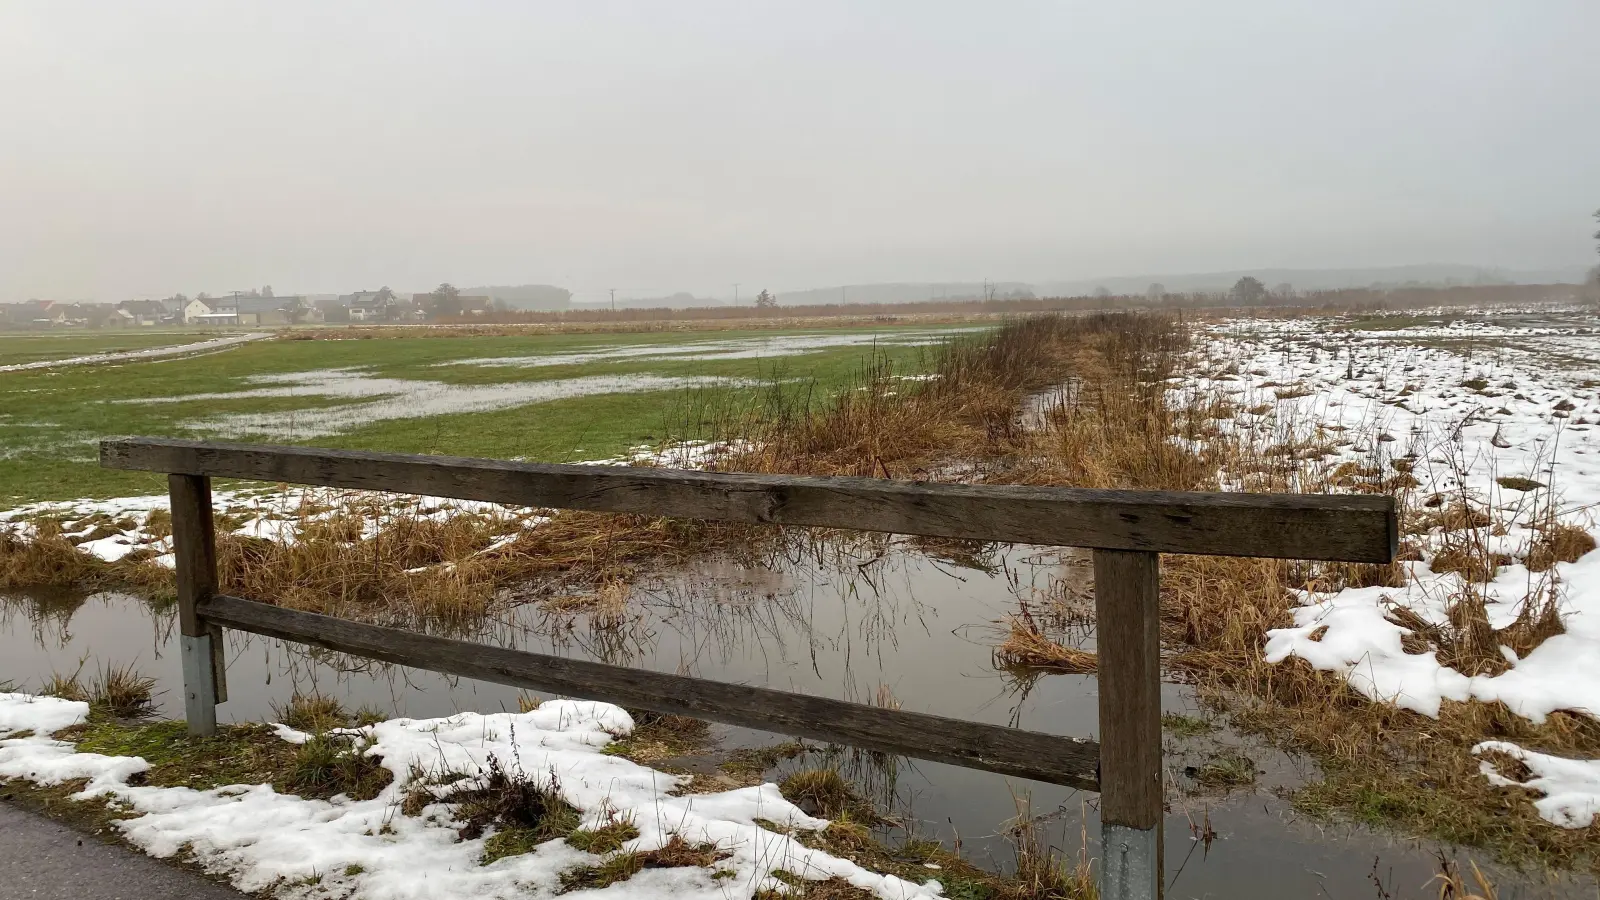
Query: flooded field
[(1446, 694), (548, 397), (896, 626)]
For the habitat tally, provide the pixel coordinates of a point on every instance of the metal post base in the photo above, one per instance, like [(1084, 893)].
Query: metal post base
[(1130, 868), (199, 684)]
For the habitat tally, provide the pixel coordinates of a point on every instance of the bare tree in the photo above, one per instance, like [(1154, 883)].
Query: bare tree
[(1284, 291), (1248, 291), (1155, 292), (445, 301), (765, 300)]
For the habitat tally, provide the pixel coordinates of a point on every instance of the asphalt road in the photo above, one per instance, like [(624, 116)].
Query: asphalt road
[(45, 860)]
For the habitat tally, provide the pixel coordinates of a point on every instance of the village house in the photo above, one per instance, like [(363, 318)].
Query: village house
[(192, 310), (36, 314), (143, 312), (464, 305)]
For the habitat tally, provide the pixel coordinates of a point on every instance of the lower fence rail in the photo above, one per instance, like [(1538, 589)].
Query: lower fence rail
[(1009, 751)]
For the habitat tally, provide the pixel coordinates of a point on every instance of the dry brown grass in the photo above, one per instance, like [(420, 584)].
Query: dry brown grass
[(1469, 560), (1558, 543), (1452, 885), (1026, 646), (1383, 764), (825, 792), (1043, 872), (45, 559)]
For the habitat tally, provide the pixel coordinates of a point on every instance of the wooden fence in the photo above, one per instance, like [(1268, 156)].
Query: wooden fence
[(1126, 530)]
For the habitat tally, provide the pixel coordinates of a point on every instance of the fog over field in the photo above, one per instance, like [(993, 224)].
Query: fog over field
[(662, 148)]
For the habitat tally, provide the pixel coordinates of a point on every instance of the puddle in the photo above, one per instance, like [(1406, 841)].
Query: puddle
[(197, 347), (839, 628), (401, 398), (744, 348), (1041, 407)]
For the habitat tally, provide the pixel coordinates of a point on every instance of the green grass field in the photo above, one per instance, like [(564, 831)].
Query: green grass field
[(405, 394), (27, 347)]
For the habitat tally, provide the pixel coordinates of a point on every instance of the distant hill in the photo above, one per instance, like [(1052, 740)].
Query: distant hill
[(1438, 275), (524, 296), (905, 292), (680, 300)]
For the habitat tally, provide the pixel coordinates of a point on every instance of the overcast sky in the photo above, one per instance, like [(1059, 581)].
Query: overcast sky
[(653, 146)]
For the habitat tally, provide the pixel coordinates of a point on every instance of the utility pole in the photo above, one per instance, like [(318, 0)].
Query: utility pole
[(736, 293), (613, 299)]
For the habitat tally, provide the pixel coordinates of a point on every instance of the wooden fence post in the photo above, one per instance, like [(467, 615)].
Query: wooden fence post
[(1128, 636), (194, 547)]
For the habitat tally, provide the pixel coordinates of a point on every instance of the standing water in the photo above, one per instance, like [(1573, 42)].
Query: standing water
[(890, 626)]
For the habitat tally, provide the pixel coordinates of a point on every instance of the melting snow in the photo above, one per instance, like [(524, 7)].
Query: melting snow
[(1469, 418), (745, 348), (260, 839), (1571, 787), (402, 398), (147, 353)]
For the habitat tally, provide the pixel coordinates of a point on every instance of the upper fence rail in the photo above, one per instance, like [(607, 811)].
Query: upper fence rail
[(1351, 528)]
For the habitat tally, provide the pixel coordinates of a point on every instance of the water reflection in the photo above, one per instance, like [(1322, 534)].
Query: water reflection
[(869, 623)]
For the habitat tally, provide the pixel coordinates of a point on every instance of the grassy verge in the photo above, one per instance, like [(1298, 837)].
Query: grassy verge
[(513, 814)]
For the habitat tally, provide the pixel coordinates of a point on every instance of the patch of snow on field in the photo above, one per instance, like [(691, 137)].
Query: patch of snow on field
[(402, 398), (680, 455), (1571, 787), (198, 347), (261, 839), (125, 527), (272, 514), (1501, 417), (1465, 423)]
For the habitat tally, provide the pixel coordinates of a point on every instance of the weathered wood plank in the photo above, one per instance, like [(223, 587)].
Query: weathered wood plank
[(195, 563), (193, 546), (1009, 751), (1289, 526), (1128, 641)]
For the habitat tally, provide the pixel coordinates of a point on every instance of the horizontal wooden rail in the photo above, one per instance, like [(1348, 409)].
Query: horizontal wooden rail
[(1284, 526), (1009, 751)]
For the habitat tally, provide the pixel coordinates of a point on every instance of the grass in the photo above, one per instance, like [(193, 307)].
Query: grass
[(115, 691), (321, 768), (825, 793), (607, 838), (1184, 726), (749, 766), (1026, 646), (510, 802), (311, 713), (1227, 769), (18, 348), (50, 418), (675, 853), (658, 736), (329, 765)]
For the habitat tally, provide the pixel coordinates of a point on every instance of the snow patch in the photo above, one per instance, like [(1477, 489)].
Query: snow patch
[(260, 839), (1571, 787)]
